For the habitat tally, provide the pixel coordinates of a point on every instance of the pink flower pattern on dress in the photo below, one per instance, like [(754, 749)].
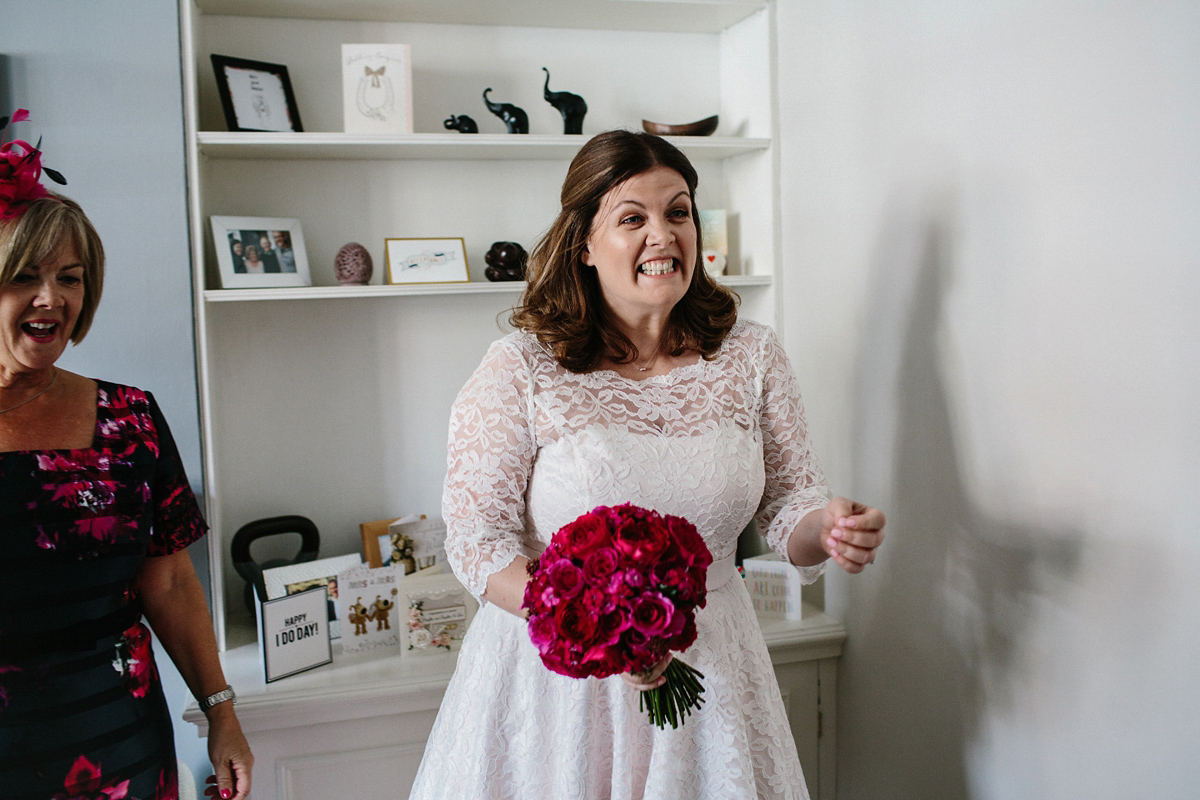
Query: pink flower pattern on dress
[(114, 503)]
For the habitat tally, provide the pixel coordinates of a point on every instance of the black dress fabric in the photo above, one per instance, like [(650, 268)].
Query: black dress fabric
[(82, 713)]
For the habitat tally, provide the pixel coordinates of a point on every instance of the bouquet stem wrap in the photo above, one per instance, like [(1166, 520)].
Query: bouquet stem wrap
[(615, 591)]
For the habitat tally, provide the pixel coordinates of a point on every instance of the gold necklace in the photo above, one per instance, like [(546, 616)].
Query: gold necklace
[(53, 378)]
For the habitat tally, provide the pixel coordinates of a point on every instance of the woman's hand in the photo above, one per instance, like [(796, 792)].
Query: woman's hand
[(851, 533), (230, 755), (651, 678)]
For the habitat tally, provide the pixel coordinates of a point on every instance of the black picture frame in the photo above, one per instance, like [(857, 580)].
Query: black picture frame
[(264, 97)]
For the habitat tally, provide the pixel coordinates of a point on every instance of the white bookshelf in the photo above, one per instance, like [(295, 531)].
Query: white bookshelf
[(332, 401)]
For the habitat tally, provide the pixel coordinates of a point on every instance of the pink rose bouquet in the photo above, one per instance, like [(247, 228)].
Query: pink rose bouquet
[(614, 592)]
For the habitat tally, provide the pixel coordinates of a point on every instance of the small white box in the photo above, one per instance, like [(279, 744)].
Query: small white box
[(774, 587)]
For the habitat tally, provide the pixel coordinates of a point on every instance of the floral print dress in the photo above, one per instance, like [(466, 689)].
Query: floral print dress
[(82, 712)]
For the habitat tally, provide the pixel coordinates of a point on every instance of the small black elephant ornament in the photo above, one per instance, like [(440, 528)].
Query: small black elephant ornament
[(505, 262), (571, 106), (514, 116), (461, 123)]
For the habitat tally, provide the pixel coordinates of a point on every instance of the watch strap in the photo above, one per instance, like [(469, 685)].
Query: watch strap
[(217, 698)]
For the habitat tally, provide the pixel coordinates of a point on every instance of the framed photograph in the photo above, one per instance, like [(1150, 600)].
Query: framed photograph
[(260, 252), (296, 578), (435, 611), (426, 261), (377, 88), (381, 549), (255, 95)]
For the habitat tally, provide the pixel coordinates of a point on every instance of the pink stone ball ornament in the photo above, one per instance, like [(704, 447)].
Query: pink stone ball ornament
[(353, 265)]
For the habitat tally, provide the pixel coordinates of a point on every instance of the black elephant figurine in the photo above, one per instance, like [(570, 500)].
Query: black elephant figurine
[(505, 262), (514, 117), (571, 106), (461, 123)]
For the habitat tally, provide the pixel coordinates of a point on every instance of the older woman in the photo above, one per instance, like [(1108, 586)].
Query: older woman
[(95, 516), (630, 379)]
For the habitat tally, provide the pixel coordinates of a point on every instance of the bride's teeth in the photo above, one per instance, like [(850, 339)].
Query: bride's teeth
[(658, 267)]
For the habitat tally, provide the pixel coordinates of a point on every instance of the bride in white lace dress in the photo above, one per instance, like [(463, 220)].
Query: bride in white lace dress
[(629, 379)]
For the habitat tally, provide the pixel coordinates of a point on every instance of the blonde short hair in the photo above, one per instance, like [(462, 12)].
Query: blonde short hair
[(44, 228)]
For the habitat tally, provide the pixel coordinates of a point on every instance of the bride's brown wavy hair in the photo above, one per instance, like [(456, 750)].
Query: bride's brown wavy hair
[(563, 305)]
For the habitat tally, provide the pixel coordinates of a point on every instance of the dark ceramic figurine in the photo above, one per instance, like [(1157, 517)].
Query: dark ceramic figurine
[(461, 123), (571, 106), (514, 117), (505, 262)]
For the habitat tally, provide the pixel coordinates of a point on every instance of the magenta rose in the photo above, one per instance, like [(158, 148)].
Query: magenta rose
[(610, 626), (542, 632), (575, 624), (686, 636), (587, 533), (599, 566), (641, 541), (689, 541), (565, 578), (652, 614)]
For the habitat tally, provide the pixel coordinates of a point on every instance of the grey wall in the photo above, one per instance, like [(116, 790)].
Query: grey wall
[(101, 79), (992, 251)]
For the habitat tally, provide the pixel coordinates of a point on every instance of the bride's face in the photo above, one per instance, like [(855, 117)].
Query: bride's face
[(643, 244)]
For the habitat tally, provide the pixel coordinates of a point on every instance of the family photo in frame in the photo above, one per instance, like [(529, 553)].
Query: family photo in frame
[(260, 252), (296, 578)]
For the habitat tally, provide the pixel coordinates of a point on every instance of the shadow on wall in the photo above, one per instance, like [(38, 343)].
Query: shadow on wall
[(937, 630)]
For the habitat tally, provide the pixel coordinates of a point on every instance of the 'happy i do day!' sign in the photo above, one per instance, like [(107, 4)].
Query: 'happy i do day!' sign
[(294, 633)]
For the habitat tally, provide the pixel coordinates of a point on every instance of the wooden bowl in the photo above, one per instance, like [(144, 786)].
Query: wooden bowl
[(704, 127)]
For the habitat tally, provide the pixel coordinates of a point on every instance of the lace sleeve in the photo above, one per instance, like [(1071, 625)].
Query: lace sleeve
[(491, 452), (795, 484)]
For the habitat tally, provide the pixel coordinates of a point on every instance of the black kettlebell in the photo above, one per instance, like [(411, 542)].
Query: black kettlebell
[(252, 571)]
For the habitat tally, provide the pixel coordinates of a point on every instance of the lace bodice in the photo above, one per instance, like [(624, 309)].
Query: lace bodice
[(533, 446)]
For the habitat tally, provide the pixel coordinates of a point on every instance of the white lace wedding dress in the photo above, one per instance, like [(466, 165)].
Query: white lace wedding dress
[(533, 446)]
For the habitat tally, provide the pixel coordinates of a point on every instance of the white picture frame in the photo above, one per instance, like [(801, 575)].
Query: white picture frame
[(412, 261), (295, 578), (236, 238), (377, 88)]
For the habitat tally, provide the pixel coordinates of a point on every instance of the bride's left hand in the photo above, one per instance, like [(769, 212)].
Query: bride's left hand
[(651, 678), (851, 533)]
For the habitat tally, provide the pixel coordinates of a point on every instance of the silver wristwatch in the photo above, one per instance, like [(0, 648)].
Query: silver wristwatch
[(217, 698)]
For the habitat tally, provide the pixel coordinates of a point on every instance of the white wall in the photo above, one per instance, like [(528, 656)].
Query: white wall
[(101, 79), (992, 246)]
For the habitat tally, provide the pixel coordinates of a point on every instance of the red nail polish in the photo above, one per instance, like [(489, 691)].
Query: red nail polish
[(226, 794)]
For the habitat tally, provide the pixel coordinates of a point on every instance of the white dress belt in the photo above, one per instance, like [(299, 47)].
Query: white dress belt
[(719, 572)]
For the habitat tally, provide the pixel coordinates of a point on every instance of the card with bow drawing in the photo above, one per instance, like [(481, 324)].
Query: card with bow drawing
[(377, 88)]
